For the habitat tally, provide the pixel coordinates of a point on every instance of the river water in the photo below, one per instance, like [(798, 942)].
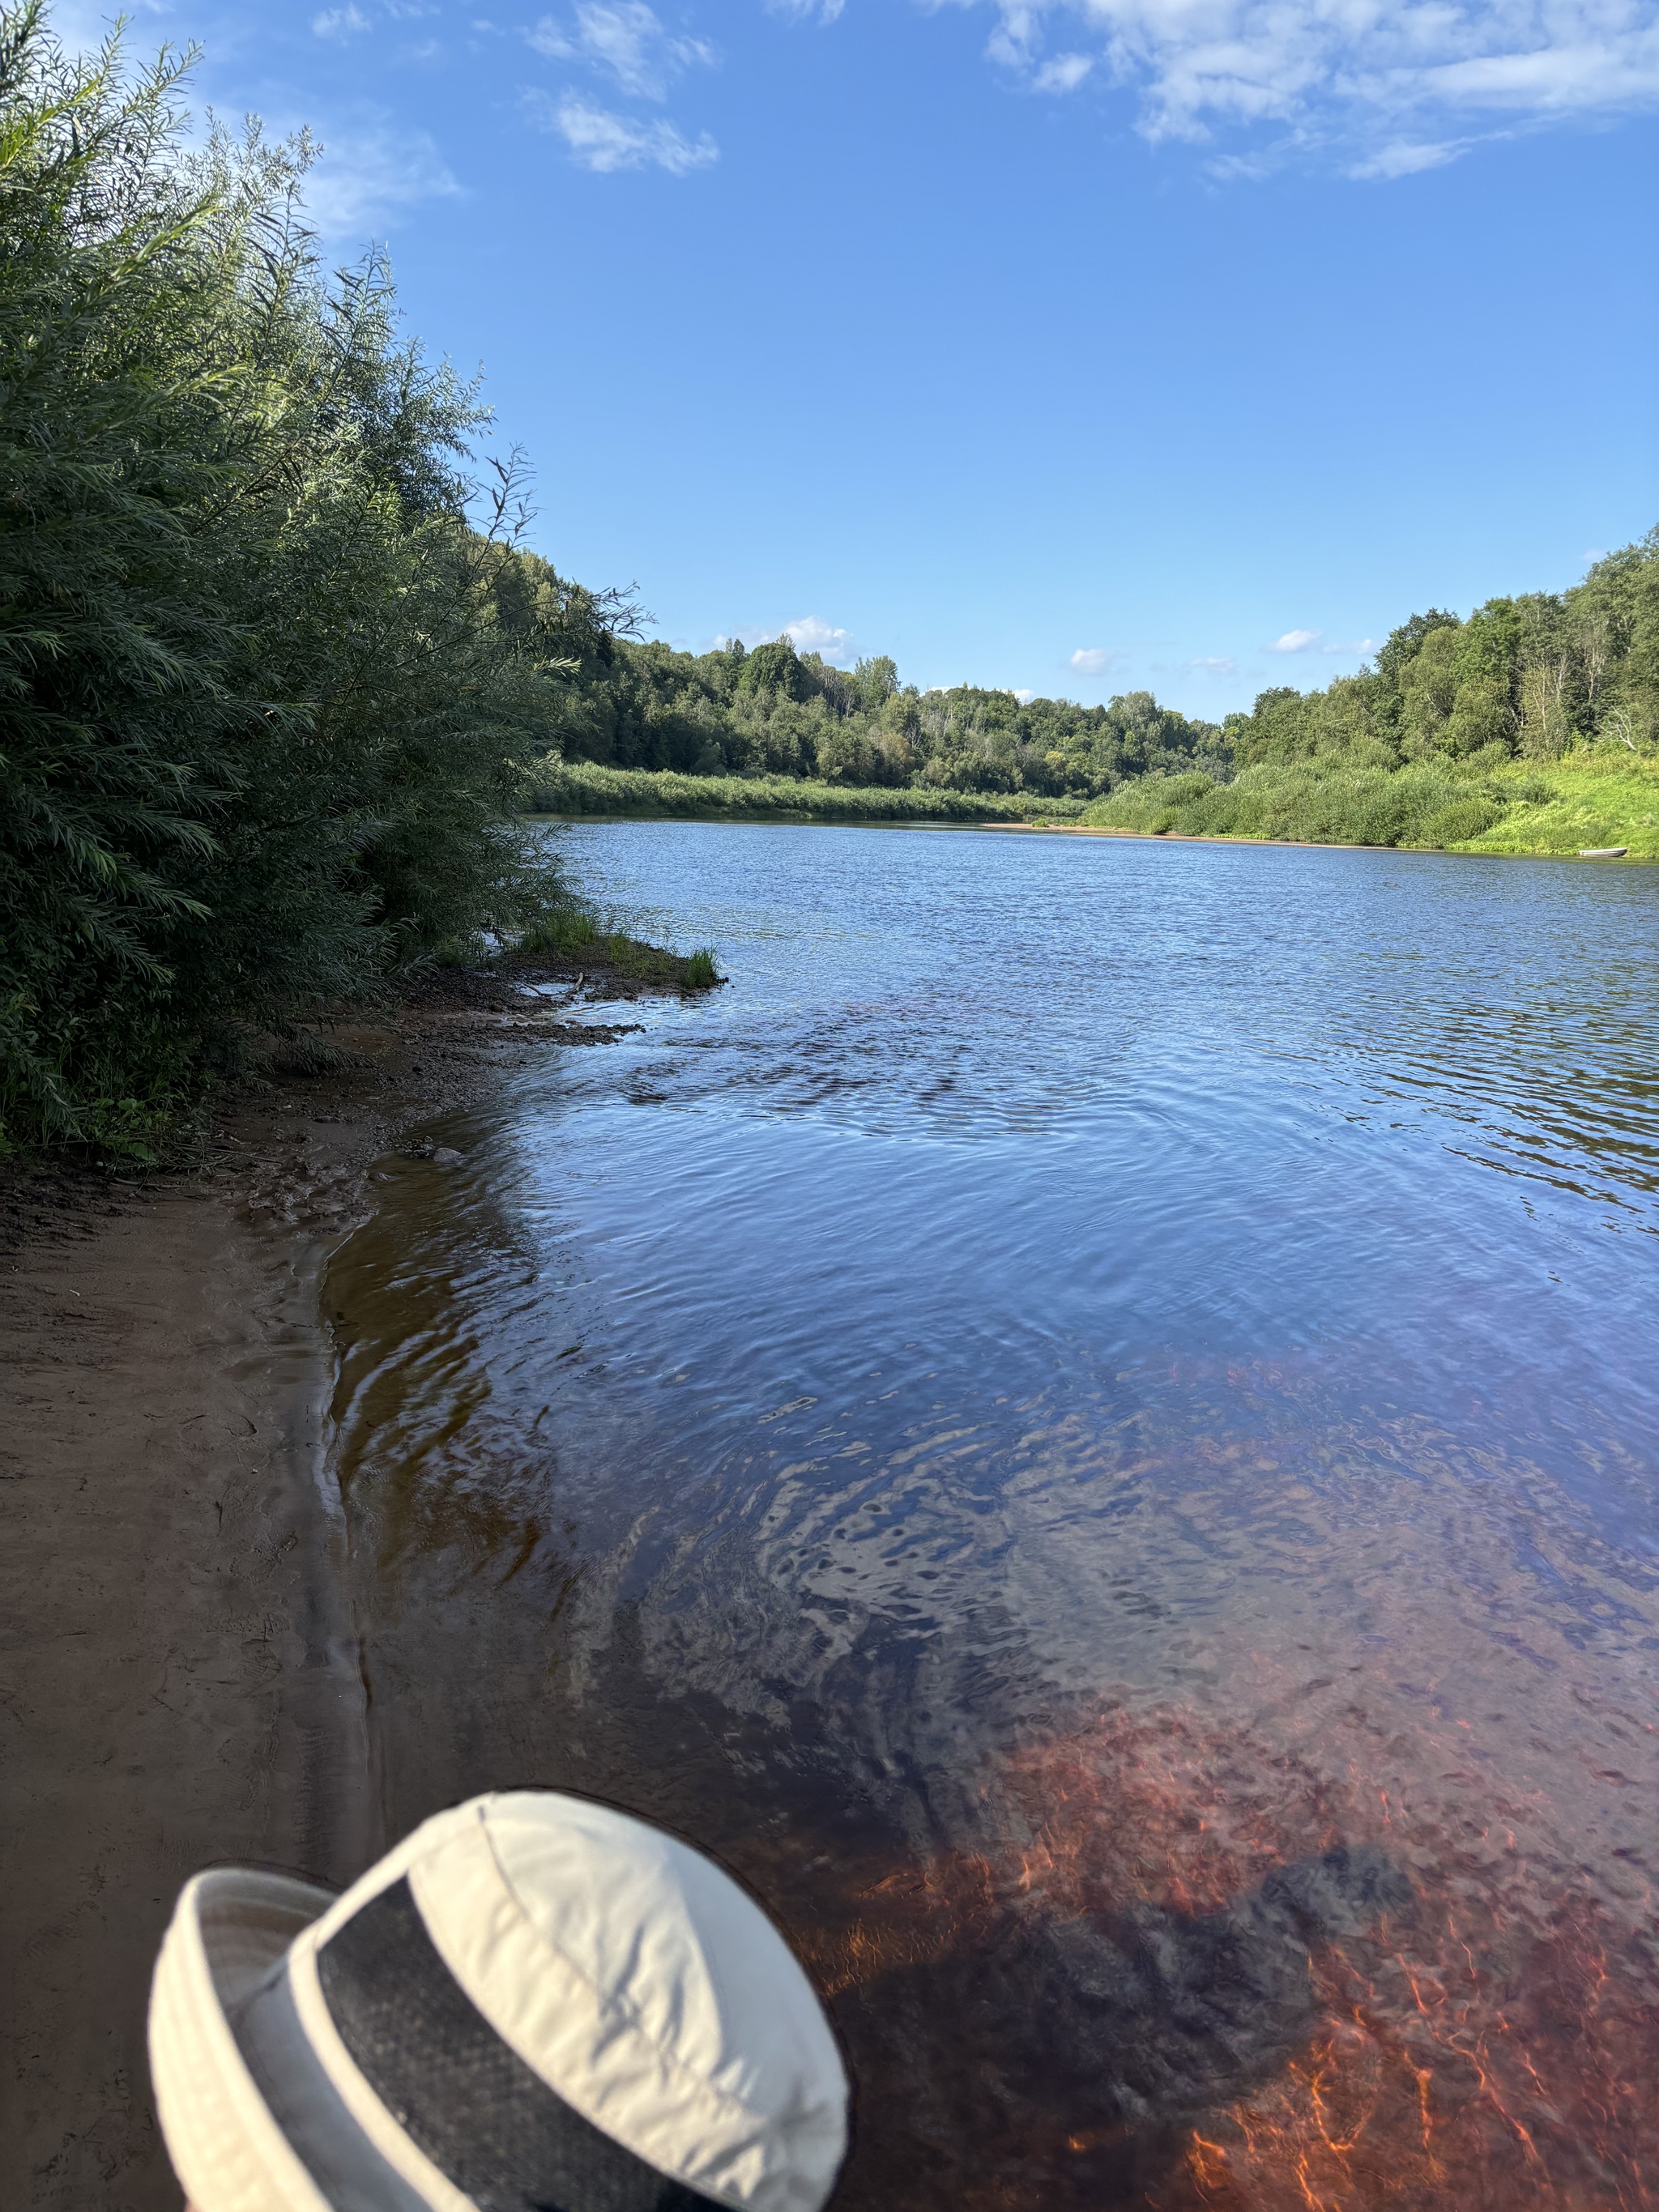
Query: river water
[(1088, 1423)]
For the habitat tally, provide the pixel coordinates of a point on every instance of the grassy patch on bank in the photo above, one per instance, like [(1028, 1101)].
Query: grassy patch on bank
[(573, 936), (1521, 809), (586, 787), (1598, 801)]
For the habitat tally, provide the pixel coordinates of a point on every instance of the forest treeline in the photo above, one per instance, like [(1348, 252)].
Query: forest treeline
[(1533, 724), (773, 712), (1531, 678), (269, 660)]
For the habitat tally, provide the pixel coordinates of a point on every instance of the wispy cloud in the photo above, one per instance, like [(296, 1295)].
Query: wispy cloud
[(1212, 665), (1340, 79), (366, 173), (1403, 159), (626, 39), (1352, 648), (350, 23), (1295, 641), (605, 142), (807, 11), (1091, 660)]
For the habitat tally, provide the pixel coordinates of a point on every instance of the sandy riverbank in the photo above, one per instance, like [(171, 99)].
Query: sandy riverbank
[(179, 1667)]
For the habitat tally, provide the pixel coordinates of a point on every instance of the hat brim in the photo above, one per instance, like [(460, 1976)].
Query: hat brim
[(253, 2120), (229, 1934)]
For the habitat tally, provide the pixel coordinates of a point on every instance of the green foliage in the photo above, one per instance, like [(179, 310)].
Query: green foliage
[(559, 786), (652, 963), (1321, 801), (1592, 799), (772, 711), (1537, 677), (1459, 821), (1595, 796), (261, 683), (570, 933), (566, 929)]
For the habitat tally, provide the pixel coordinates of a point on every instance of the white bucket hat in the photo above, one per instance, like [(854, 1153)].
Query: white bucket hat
[(534, 2004)]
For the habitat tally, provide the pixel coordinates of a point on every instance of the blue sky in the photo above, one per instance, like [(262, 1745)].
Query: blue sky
[(1078, 346)]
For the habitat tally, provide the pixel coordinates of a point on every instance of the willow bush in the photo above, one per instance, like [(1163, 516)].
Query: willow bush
[(259, 700)]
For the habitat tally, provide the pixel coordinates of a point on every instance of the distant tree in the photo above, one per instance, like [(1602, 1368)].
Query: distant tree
[(775, 667)]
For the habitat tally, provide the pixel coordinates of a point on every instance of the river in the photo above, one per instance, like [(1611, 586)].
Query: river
[(1088, 1423)]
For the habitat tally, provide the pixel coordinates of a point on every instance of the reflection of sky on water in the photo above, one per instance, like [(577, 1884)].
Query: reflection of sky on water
[(1061, 1276)]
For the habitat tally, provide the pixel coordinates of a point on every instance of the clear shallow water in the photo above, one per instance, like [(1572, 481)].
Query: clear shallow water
[(1092, 1375)]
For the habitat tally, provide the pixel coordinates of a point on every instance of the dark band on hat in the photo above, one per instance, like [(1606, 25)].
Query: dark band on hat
[(465, 2099)]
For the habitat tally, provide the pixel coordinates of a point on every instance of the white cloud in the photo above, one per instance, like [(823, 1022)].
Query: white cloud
[(1355, 647), (339, 23), (1295, 641), (363, 176), (807, 11), (809, 634), (1064, 74), (1401, 159), (1091, 660), (605, 143), (1342, 76), (625, 38), (1024, 697), (1213, 666)]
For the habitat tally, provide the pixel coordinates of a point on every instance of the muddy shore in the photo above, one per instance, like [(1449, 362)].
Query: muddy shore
[(178, 1668)]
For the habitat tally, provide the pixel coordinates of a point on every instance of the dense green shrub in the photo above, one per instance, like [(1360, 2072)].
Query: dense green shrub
[(1463, 820), (259, 694), (1324, 801)]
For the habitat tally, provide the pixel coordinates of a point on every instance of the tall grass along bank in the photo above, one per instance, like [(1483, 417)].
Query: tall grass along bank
[(557, 787), (1589, 799)]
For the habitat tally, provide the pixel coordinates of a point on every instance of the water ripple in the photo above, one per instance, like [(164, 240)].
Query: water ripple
[(1088, 1422)]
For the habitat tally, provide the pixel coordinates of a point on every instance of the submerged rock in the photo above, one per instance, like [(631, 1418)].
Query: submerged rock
[(1170, 2012), (1083, 2048)]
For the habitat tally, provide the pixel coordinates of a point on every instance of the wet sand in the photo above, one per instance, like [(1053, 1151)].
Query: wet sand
[(180, 1682), (178, 1671)]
